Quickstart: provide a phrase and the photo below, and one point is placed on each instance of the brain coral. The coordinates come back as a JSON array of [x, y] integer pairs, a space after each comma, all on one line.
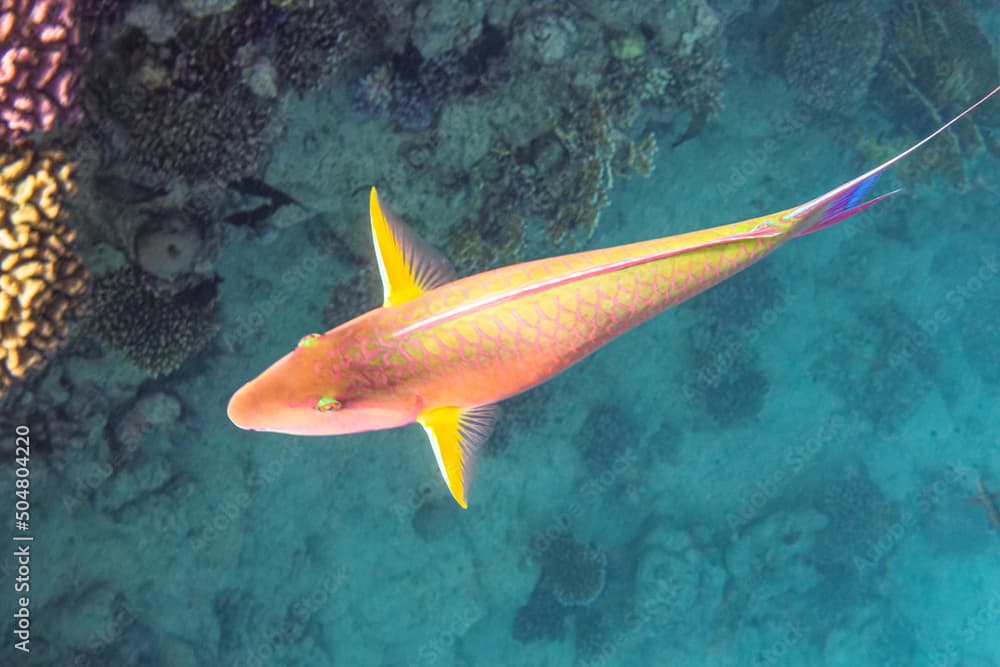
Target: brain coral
[[41, 278], [40, 64], [831, 58]]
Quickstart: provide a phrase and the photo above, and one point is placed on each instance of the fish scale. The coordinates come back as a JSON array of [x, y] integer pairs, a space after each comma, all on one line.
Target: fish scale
[[541, 333]]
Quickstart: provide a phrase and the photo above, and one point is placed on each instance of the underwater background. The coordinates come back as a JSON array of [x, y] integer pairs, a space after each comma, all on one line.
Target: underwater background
[[797, 467]]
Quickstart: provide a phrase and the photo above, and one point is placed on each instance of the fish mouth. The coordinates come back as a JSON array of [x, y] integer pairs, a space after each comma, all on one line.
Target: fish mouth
[[242, 408]]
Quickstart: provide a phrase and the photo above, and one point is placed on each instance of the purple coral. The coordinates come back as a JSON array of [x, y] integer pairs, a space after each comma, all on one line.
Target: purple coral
[[40, 65], [420, 87]]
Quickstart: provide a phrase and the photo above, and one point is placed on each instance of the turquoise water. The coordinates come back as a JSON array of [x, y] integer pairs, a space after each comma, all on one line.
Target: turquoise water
[[782, 471]]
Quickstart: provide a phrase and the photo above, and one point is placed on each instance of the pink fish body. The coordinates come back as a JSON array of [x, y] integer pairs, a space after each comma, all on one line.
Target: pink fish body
[[444, 352]]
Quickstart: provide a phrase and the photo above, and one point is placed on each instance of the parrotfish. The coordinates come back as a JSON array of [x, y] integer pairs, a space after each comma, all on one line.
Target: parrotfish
[[443, 352]]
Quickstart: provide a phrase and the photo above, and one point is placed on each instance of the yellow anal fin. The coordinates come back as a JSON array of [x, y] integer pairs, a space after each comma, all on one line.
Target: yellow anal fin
[[455, 435], [408, 266]]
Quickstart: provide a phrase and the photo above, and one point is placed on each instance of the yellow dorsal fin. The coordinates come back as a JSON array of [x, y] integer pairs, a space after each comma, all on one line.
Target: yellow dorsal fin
[[408, 266], [456, 434]]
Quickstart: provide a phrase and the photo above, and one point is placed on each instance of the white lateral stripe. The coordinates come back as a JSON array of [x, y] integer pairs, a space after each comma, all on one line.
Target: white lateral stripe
[[556, 281]]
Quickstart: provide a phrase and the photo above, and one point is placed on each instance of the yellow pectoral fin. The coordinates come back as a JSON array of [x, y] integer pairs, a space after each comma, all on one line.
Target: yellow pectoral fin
[[455, 435], [408, 266]]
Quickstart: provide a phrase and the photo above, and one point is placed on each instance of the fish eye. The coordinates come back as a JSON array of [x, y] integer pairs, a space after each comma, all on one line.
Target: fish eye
[[308, 339], [327, 404]]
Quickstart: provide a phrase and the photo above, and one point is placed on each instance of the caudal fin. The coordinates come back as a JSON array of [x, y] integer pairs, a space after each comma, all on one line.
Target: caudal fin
[[843, 201]]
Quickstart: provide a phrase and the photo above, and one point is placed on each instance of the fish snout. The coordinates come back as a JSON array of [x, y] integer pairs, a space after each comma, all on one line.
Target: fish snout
[[243, 408]]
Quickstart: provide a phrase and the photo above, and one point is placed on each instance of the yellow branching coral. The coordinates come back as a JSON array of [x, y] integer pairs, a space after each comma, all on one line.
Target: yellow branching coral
[[41, 278]]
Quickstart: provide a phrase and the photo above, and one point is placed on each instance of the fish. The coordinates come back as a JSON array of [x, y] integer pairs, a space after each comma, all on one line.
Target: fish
[[988, 499], [444, 352], [255, 217], [254, 187]]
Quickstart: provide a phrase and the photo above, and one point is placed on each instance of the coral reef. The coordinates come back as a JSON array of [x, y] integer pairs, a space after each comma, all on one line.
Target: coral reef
[[607, 431], [154, 331], [882, 367], [598, 150], [41, 64], [42, 283], [421, 87], [831, 56], [413, 88], [728, 383], [373, 92], [541, 618], [678, 584], [572, 577], [773, 561], [183, 107], [573, 571], [859, 516], [169, 243], [311, 39], [937, 61]]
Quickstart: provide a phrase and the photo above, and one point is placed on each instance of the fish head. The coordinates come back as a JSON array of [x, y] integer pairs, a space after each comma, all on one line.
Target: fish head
[[309, 392]]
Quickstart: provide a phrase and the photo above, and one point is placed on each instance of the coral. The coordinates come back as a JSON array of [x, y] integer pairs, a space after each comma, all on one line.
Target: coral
[[421, 87], [545, 37], [312, 39], [441, 25], [728, 383], [831, 57], [937, 61], [772, 562], [373, 92], [859, 515], [541, 618], [595, 151], [185, 105], [477, 245], [156, 332], [881, 367], [696, 81], [200, 8], [167, 244], [40, 65], [42, 280], [607, 431], [573, 571], [678, 583], [739, 301]]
